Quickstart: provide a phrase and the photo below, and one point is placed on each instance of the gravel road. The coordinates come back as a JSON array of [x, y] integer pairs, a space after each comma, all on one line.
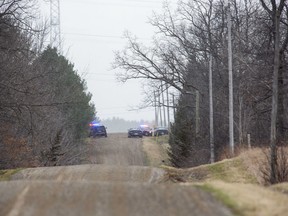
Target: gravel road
[[117, 149], [117, 182]]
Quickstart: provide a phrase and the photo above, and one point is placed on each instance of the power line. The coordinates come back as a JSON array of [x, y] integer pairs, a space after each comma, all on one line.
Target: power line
[[124, 3], [132, 4], [100, 36], [119, 3], [109, 108], [119, 113], [101, 74]]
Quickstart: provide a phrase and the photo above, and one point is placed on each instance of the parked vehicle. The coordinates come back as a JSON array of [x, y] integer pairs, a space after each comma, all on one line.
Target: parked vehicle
[[146, 130], [135, 132], [161, 131], [97, 130]]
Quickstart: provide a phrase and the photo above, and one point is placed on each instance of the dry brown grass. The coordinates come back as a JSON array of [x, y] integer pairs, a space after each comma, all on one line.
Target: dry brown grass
[[156, 153], [254, 160], [257, 162], [234, 170], [238, 183], [281, 187], [16, 152], [253, 200]]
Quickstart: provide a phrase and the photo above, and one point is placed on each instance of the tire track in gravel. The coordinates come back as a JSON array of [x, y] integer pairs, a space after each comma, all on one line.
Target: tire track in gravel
[[117, 182]]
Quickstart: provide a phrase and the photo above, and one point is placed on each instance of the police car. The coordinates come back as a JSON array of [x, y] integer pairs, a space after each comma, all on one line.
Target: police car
[[146, 130], [97, 129]]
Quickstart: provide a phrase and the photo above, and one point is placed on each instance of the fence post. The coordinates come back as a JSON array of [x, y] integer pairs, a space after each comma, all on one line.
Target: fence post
[[249, 140]]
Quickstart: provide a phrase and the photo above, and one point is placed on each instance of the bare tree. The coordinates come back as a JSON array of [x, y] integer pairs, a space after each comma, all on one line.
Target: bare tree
[[190, 50], [275, 11], [160, 63]]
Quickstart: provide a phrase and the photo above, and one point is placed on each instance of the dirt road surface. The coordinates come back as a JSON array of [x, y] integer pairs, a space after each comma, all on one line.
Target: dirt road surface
[[116, 182], [117, 149]]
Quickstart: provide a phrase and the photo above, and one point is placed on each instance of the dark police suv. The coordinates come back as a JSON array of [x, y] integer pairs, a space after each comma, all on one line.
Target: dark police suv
[[97, 129]]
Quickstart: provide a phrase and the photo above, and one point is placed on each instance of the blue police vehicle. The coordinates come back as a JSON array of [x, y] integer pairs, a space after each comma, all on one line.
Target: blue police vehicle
[[97, 129]]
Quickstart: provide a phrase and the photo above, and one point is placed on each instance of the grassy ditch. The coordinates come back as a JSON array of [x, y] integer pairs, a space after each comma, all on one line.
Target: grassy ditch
[[160, 139], [156, 149], [236, 183], [223, 198], [5, 175], [249, 199], [230, 170]]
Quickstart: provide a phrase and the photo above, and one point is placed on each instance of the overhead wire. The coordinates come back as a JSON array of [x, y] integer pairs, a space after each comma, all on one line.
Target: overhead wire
[[114, 3], [100, 36], [117, 2], [125, 3]]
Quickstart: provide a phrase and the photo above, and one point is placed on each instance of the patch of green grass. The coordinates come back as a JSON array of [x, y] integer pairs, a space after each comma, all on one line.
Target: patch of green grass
[[229, 170], [218, 171], [160, 139], [232, 170], [223, 198], [5, 175], [155, 154]]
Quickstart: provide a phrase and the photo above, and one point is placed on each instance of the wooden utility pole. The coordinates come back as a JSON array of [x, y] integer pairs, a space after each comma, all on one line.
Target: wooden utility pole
[[231, 116], [163, 102], [159, 108], [168, 111], [197, 116], [174, 106], [211, 116], [156, 112]]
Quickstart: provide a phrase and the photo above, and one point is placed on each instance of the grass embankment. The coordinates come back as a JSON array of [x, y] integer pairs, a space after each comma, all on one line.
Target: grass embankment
[[155, 149], [229, 170], [237, 184], [5, 175]]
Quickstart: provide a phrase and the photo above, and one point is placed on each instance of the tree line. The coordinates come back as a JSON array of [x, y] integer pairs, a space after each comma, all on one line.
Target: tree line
[[44, 104], [189, 56], [119, 125]]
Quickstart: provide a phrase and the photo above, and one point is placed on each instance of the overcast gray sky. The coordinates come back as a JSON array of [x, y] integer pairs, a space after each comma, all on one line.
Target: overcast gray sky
[[91, 31]]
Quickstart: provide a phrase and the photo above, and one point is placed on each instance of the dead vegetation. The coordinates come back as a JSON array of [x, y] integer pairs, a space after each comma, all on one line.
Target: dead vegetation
[[281, 166], [251, 166], [5, 175], [239, 183], [228, 170], [155, 149]]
